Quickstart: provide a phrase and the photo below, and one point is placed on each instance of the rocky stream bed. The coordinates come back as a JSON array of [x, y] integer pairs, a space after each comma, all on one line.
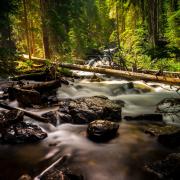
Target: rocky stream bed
[[89, 128]]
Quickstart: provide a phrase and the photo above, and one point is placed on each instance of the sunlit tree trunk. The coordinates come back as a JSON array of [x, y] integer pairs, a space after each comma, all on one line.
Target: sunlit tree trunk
[[117, 26], [121, 61], [27, 28]]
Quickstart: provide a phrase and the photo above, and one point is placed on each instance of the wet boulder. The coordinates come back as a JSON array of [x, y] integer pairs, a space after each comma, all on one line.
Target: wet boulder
[[56, 117], [9, 118], [169, 106], [22, 133], [96, 78], [167, 169], [167, 135], [145, 117], [102, 130], [25, 97], [86, 109], [160, 129], [171, 140]]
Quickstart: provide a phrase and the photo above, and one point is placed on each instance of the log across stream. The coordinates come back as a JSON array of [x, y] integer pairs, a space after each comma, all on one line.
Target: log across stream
[[122, 158], [123, 74], [143, 75]]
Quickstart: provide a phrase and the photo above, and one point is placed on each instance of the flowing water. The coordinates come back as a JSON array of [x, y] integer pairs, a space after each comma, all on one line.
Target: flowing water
[[122, 158]]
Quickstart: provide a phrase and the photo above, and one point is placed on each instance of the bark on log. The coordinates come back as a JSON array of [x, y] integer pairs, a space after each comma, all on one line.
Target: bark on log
[[44, 86], [29, 76], [148, 71], [26, 113], [124, 74], [57, 163]]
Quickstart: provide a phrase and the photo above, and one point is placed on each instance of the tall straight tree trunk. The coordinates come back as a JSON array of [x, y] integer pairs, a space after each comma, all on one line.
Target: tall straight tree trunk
[[153, 20], [32, 38], [43, 7], [26, 28], [155, 28], [117, 26], [121, 60], [143, 11], [123, 25]]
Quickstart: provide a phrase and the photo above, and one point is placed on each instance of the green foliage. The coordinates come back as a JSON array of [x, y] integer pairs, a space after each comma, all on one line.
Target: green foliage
[[65, 72], [147, 32], [148, 42], [7, 61]]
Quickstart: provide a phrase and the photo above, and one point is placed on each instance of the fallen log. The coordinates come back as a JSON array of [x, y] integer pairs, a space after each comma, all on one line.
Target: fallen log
[[26, 113], [123, 74], [118, 73], [165, 73], [25, 57], [60, 162], [38, 76], [44, 86], [146, 71]]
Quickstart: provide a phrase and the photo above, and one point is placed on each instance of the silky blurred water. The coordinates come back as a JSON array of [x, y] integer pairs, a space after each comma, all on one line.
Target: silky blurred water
[[122, 158]]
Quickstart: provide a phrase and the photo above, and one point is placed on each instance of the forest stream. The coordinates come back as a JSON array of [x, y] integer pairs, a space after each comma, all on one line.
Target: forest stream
[[122, 158]]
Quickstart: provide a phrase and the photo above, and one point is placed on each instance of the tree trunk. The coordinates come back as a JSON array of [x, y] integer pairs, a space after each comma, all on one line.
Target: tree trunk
[[121, 61], [45, 29], [27, 28], [153, 21]]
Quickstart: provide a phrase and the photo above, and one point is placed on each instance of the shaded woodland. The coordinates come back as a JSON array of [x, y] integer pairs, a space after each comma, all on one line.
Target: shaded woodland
[[146, 32]]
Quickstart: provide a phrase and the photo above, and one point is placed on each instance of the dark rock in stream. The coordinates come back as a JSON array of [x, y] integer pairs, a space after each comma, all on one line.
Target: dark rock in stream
[[9, 118], [145, 117], [102, 130], [171, 140], [55, 117], [86, 109], [25, 97], [167, 135], [95, 78], [167, 169], [160, 129], [22, 133]]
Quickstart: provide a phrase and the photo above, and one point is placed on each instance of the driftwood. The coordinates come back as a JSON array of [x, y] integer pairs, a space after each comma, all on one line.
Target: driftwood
[[124, 74], [57, 163], [26, 113]]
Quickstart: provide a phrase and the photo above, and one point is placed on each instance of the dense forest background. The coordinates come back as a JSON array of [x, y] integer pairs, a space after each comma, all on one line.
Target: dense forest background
[[147, 32]]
